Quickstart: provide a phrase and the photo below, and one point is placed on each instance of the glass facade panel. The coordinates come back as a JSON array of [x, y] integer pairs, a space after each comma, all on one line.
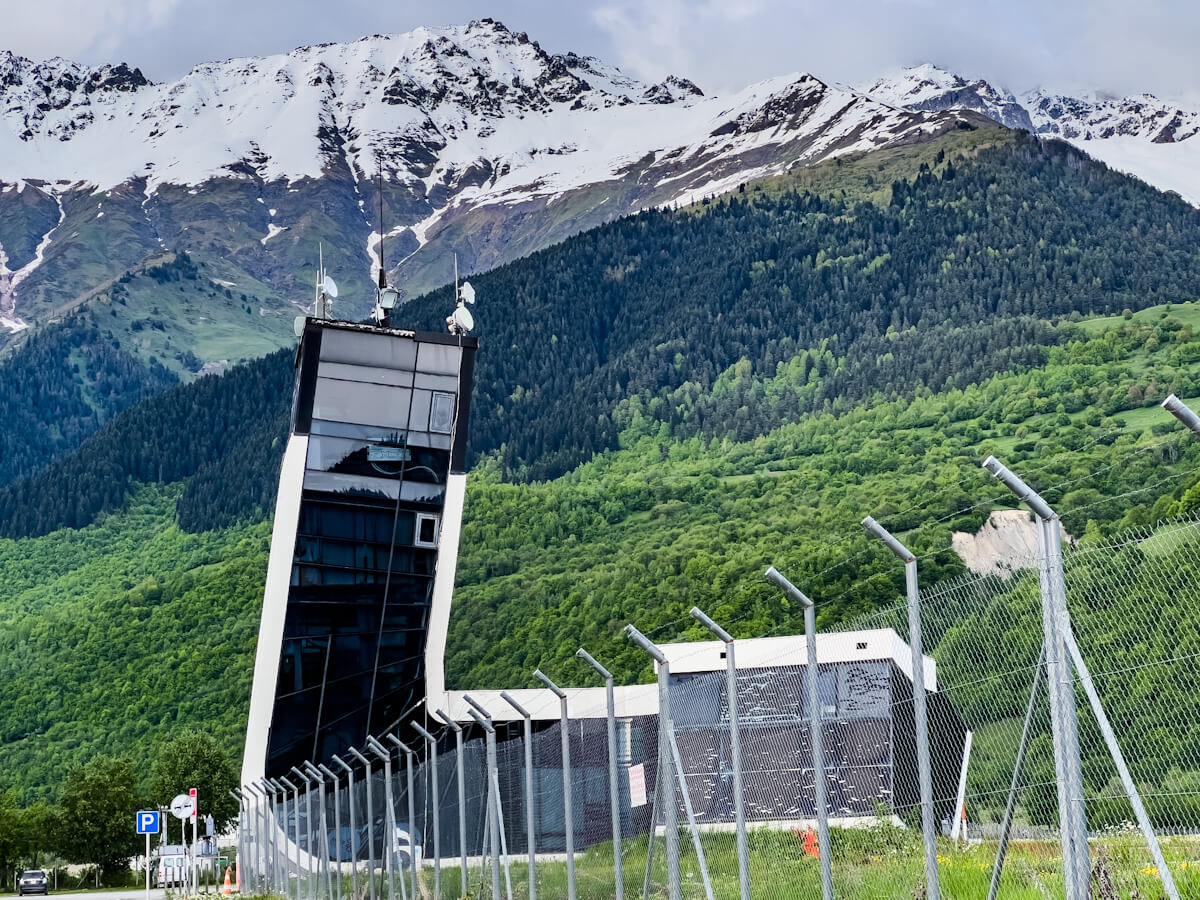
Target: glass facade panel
[[363, 404], [445, 383], [369, 374], [364, 349], [439, 359], [421, 401]]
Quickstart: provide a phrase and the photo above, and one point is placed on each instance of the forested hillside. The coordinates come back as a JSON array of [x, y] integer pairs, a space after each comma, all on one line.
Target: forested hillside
[[720, 387], [118, 634], [672, 520], [112, 631], [222, 434], [61, 385], [941, 277]]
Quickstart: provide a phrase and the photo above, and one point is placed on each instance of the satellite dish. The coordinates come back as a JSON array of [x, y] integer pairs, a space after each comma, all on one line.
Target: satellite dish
[[330, 287], [466, 292], [298, 325], [463, 319]]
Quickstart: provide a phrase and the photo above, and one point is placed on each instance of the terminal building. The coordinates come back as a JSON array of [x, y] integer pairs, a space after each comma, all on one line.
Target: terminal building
[[365, 541], [867, 725], [357, 604]]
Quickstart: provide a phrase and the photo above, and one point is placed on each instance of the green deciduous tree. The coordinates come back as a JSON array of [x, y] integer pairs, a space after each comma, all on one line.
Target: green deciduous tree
[[195, 759], [95, 822]]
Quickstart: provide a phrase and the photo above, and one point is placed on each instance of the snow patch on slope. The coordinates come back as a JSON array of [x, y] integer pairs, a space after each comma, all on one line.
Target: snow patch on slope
[[272, 231], [10, 280]]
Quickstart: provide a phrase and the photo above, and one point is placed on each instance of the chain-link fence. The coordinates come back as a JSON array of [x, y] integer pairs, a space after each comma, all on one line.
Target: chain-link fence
[[1056, 754]]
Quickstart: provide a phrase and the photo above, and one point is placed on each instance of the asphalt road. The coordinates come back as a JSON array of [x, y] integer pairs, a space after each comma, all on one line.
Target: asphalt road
[[122, 894]]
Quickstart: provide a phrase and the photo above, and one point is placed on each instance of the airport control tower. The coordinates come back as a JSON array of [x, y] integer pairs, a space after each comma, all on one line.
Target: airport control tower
[[365, 540]]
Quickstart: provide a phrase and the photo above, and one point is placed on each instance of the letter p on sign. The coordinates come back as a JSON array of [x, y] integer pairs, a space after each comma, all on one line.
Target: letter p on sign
[[147, 822]]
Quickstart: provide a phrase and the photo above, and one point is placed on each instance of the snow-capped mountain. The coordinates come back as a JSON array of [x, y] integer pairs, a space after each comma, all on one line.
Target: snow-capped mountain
[[930, 88], [485, 145], [1142, 135]]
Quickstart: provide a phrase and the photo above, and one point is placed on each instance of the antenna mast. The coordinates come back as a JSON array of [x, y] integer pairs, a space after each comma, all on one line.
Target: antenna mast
[[382, 268]]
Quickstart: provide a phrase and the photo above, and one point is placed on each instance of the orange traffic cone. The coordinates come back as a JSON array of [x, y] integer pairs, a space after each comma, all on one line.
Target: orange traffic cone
[[227, 887]]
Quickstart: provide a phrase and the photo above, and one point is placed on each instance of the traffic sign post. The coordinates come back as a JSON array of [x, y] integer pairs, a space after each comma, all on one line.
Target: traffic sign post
[[148, 824], [195, 860], [183, 807]]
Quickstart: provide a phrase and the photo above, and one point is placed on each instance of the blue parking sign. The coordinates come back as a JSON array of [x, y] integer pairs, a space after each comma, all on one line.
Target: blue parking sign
[[147, 821]]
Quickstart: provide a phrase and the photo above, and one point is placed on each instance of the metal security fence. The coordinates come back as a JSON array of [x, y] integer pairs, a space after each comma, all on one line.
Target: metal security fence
[[1034, 732]]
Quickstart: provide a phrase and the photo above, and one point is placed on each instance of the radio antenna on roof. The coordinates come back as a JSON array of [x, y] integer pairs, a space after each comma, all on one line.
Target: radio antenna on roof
[[382, 268]]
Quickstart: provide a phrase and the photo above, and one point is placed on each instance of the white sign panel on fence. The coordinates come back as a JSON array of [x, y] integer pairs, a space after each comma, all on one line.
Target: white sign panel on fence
[[637, 785]]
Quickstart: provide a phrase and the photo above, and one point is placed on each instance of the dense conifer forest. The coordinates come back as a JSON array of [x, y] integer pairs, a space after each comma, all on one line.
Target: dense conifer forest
[[60, 387]]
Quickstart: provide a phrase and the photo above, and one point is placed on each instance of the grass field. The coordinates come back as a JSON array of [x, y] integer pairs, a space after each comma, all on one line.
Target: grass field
[[878, 863]]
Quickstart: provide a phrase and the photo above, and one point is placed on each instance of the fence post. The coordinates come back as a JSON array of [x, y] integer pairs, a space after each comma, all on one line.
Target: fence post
[[1110, 738], [267, 819], [353, 825], [920, 714], [409, 755], [530, 828], [811, 669], [253, 807], [248, 836], [389, 818], [462, 795], [1183, 413], [320, 779], [735, 750], [431, 743], [337, 828], [614, 790], [666, 776], [370, 822], [308, 820], [568, 811], [295, 832], [1077, 870], [279, 867], [493, 813]]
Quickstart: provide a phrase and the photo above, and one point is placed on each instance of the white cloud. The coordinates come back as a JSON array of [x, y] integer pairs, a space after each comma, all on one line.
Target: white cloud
[[79, 29]]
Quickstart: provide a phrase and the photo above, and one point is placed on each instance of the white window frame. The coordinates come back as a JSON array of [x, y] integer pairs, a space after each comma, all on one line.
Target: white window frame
[[421, 517], [433, 402]]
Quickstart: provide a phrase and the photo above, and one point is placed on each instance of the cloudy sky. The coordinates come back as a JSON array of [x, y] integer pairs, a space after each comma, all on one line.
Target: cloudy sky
[[1119, 46]]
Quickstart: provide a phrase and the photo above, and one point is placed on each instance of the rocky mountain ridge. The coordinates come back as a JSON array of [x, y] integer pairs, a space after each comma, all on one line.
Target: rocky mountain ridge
[[1154, 139], [481, 143]]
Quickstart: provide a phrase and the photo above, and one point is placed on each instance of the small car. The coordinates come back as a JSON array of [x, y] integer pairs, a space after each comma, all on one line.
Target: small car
[[33, 881]]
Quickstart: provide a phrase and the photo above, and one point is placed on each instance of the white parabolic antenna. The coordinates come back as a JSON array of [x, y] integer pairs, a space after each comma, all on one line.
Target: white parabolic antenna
[[330, 286], [467, 293], [463, 318]]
